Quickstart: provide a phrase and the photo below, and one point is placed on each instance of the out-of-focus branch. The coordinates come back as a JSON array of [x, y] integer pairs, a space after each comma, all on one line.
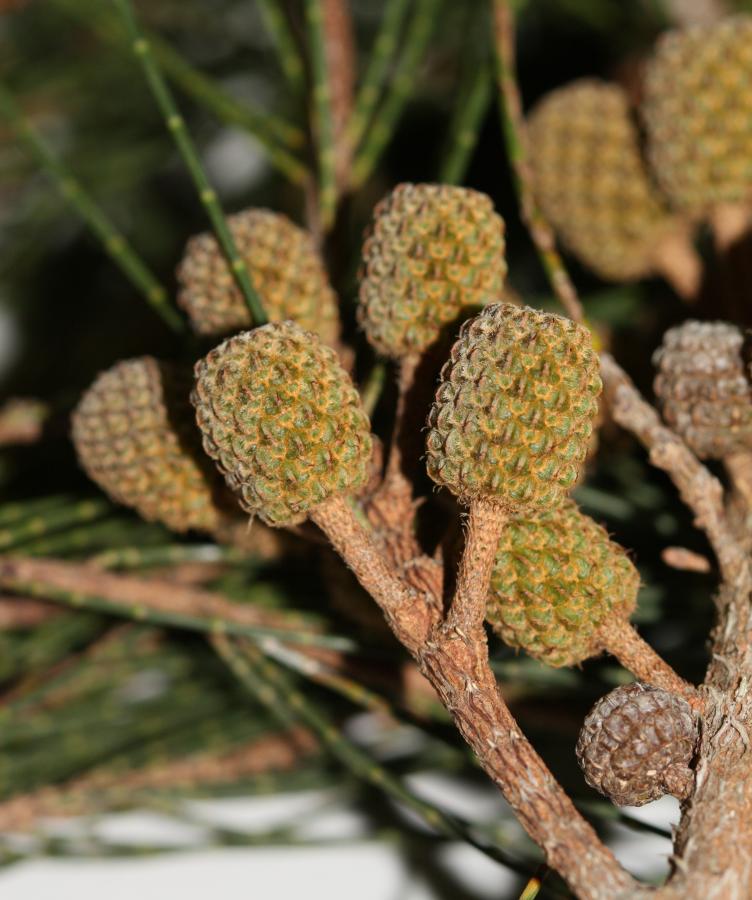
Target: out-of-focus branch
[[278, 752]]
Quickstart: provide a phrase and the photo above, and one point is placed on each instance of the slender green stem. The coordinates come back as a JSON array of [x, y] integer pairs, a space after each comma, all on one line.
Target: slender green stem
[[269, 130], [318, 673], [113, 241], [169, 554], [54, 520], [373, 387], [513, 126], [13, 512], [323, 119], [382, 127], [382, 57], [176, 126], [271, 686], [281, 34], [474, 97]]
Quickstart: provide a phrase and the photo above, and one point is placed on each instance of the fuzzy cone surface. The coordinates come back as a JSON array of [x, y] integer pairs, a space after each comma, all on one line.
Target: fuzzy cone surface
[[557, 579], [636, 745], [698, 114], [434, 255], [135, 436], [591, 182], [283, 421], [283, 266], [704, 388], [514, 409]]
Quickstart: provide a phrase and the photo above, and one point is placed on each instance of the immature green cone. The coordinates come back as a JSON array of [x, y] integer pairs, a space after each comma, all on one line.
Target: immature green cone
[[282, 420], [434, 254], [591, 181], [704, 389], [698, 114], [514, 409], [134, 434], [637, 743], [283, 266], [557, 579]]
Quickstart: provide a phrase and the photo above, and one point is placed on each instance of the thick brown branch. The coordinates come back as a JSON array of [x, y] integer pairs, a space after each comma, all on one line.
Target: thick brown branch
[[713, 850], [408, 617], [456, 664]]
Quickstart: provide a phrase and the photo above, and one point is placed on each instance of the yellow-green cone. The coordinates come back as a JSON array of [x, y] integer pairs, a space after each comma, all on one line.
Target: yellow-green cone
[[135, 436], [514, 410], [434, 255], [557, 579], [591, 180], [698, 114], [282, 420], [283, 266]]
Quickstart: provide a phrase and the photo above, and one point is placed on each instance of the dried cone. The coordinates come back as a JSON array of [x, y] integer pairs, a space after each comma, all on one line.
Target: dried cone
[[513, 413], [698, 114], [637, 743], [592, 184], [557, 579], [282, 420], [704, 387], [283, 266], [434, 255]]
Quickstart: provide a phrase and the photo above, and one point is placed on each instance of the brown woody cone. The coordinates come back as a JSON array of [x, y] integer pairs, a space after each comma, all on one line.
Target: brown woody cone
[[636, 745]]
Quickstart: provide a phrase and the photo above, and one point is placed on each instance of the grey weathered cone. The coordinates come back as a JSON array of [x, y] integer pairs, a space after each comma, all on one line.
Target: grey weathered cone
[[637, 743], [704, 388]]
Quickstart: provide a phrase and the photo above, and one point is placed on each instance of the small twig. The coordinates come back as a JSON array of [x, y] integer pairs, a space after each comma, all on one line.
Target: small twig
[[113, 241], [484, 527], [678, 262], [730, 222], [638, 657], [176, 126], [685, 560], [22, 421]]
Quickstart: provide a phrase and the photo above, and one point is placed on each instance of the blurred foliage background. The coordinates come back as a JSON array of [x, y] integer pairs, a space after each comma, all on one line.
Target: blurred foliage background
[[114, 698]]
